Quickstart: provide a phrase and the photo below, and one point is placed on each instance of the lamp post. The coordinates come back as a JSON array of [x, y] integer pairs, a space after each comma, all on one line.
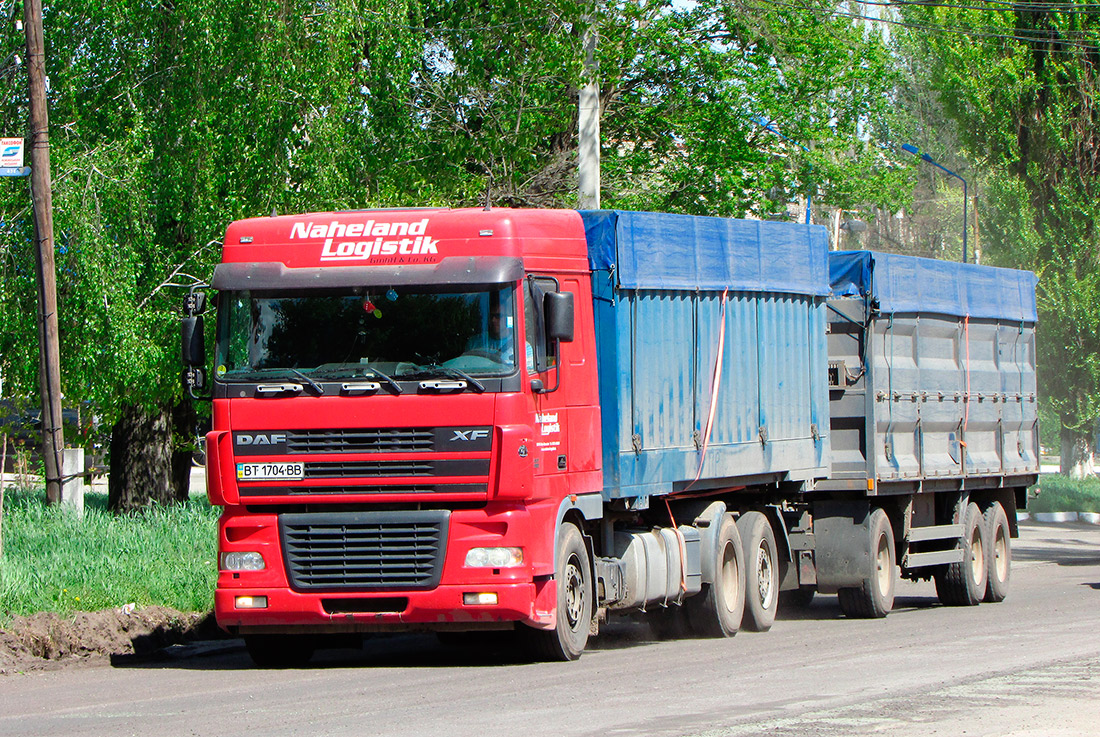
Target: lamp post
[[910, 148], [766, 125]]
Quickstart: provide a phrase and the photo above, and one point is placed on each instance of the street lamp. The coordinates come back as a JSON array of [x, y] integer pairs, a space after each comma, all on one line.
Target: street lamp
[[910, 148], [766, 125]]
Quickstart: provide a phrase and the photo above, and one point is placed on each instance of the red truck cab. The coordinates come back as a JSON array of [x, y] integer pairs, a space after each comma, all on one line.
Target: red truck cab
[[398, 426]]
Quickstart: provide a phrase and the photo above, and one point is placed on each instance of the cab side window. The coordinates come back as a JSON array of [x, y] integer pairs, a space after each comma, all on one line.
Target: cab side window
[[541, 352]]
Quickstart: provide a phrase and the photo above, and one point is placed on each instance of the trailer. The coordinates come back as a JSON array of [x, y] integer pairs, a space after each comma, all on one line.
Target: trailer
[[532, 421]]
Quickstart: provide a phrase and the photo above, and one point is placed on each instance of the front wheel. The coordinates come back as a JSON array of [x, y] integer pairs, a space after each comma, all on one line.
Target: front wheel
[[963, 583], [573, 574]]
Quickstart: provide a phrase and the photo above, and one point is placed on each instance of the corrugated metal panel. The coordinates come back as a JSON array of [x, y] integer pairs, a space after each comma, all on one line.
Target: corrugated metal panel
[[948, 397], [663, 388], [662, 396]]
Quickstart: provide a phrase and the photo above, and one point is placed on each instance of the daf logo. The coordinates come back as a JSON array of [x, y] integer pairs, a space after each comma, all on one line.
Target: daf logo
[[470, 435], [261, 439]]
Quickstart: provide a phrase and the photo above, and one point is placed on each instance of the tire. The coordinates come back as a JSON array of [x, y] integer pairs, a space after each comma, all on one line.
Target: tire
[[761, 571], [716, 611], [998, 553], [874, 598], [963, 583], [573, 575], [279, 651]]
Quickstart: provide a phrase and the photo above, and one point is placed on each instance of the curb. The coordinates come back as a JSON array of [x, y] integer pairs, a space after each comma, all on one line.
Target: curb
[[1088, 518]]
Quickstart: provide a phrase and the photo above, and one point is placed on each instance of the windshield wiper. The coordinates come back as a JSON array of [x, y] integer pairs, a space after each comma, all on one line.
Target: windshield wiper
[[389, 381], [456, 373], [313, 384]]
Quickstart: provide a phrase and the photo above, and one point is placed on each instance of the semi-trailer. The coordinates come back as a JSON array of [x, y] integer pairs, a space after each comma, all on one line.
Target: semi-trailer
[[533, 420]]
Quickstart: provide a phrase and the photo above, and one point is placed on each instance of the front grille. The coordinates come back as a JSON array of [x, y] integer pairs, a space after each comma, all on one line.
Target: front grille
[[370, 469], [364, 550], [462, 439], [382, 440]]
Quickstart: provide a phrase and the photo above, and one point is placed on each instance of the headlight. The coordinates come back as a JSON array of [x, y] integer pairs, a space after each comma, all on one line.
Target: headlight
[[494, 557], [248, 561]]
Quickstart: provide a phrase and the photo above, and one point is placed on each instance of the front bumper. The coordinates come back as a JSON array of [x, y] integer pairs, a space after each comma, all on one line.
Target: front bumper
[[524, 594]]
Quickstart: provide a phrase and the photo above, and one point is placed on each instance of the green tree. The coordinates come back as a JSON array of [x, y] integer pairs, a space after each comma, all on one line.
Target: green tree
[[1021, 85], [171, 119], [168, 121]]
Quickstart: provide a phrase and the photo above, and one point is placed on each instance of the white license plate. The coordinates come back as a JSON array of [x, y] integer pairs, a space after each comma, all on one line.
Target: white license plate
[[269, 471]]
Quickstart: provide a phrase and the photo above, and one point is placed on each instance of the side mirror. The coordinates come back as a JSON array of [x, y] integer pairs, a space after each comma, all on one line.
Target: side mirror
[[558, 310], [192, 342]]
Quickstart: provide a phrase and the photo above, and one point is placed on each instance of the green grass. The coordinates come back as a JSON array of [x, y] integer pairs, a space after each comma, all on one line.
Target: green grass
[[54, 562], [1062, 494]]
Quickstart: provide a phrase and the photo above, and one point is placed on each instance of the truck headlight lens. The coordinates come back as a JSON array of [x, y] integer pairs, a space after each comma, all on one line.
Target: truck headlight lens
[[494, 557], [247, 561]]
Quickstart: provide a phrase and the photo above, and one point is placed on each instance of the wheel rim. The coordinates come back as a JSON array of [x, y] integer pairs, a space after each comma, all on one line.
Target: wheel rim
[[728, 577], [883, 565], [1000, 553], [574, 592], [977, 555], [764, 576]]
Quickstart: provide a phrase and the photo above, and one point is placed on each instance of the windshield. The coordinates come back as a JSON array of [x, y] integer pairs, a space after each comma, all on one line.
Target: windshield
[[364, 332]]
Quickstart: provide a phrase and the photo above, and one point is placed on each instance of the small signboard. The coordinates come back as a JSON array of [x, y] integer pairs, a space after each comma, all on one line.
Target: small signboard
[[11, 153]]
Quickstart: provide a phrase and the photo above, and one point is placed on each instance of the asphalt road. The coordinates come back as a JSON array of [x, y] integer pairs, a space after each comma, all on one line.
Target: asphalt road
[[1027, 666]]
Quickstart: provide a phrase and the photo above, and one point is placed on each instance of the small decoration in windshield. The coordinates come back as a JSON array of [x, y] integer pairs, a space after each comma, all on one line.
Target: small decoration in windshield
[[391, 295]]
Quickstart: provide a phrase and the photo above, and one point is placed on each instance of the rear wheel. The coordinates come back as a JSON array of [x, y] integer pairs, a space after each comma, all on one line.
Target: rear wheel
[[963, 583], [573, 575], [716, 611], [999, 555], [279, 651], [761, 571], [874, 598]]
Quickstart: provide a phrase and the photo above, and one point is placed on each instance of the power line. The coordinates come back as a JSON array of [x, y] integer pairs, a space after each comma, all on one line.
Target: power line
[[953, 30]]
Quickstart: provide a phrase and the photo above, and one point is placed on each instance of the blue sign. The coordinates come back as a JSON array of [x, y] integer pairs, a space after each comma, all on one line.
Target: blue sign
[[15, 171]]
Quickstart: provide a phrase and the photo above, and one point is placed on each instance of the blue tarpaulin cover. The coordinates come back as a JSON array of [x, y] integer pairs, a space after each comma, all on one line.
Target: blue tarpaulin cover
[[662, 251], [900, 284]]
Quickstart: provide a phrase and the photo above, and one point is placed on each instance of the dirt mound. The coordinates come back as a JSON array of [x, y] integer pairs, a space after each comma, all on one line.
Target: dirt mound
[[48, 640]]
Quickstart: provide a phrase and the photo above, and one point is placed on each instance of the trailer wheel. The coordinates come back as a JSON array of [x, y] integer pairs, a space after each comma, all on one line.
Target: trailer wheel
[[761, 571], [279, 651], [716, 611], [963, 583], [874, 598], [999, 555], [573, 575]]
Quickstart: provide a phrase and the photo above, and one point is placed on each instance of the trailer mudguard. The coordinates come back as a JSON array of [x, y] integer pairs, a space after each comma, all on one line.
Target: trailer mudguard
[[842, 544]]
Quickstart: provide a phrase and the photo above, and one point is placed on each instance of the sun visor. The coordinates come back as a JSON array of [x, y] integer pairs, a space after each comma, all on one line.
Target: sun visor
[[454, 270]]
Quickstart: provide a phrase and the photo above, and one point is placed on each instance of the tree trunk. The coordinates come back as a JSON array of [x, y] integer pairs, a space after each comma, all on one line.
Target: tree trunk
[[184, 422], [147, 465], [1077, 455]]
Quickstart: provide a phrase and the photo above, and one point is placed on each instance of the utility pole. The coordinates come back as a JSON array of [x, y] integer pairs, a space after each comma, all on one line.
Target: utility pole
[[49, 370], [588, 124]]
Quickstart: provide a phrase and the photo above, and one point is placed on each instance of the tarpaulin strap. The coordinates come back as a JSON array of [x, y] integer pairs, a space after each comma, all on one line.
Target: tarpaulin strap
[[716, 382], [683, 550], [966, 403]]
